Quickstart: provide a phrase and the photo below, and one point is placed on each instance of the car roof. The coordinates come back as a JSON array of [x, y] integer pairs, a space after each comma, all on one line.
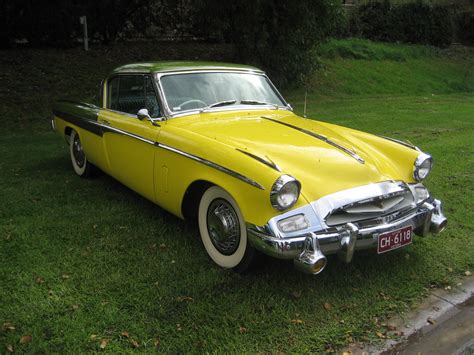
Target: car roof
[[174, 66]]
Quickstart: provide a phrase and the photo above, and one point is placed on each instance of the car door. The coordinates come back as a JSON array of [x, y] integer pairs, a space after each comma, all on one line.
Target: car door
[[129, 142]]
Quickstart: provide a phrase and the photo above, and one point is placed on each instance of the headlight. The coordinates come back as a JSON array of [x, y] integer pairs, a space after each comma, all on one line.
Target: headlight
[[285, 192], [422, 168]]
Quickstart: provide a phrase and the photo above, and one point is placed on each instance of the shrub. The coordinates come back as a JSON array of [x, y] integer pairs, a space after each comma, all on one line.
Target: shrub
[[465, 28], [416, 22], [278, 35]]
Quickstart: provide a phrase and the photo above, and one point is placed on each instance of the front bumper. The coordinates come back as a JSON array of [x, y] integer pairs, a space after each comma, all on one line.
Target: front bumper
[[308, 250]]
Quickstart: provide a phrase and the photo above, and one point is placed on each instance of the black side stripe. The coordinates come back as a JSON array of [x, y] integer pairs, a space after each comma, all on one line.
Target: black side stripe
[[99, 129], [83, 123]]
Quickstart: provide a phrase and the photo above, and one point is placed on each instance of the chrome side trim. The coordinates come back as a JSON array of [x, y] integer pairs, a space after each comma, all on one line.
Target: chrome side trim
[[268, 162], [107, 128], [321, 137], [221, 168], [211, 164]]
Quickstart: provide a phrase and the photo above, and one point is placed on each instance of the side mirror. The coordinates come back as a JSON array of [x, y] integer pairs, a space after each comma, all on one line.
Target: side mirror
[[142, 114]]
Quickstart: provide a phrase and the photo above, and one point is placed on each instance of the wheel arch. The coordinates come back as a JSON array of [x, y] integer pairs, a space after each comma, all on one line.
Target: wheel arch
[[192, 197]]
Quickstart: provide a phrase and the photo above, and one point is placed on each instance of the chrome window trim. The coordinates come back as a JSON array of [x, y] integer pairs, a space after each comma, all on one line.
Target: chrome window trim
[[170, 114], [320, 137], [105, 89]]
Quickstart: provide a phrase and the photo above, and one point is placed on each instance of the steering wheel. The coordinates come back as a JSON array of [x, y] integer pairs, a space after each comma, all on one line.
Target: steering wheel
[[195, 101]]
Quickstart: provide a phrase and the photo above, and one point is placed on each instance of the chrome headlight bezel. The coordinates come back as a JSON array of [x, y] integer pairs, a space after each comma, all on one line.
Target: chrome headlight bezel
[[284, 181], [423, 161]]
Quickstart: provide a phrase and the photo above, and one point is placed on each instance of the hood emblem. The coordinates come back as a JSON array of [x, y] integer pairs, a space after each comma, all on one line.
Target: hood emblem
[[322, 138]]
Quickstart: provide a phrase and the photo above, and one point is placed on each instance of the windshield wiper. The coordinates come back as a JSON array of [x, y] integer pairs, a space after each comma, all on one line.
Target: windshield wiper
[[255, 102], [221, 103]]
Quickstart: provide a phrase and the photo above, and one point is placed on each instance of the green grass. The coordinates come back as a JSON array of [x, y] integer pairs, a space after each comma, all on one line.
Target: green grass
[[84, 260]]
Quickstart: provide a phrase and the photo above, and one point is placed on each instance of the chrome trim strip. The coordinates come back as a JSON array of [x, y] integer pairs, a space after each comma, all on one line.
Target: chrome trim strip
[[211, 164], [106, 128], [268, 162], [406, 144], [320, 137]]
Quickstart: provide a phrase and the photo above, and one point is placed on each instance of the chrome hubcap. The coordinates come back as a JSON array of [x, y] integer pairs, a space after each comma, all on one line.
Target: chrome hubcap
[[223, 226], [77, 152]]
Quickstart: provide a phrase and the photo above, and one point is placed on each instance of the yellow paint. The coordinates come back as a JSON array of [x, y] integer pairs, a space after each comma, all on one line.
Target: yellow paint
[[163, 176]]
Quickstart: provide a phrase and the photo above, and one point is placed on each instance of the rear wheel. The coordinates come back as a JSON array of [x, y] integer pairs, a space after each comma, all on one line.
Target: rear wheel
[[78, 158], [223, 231]]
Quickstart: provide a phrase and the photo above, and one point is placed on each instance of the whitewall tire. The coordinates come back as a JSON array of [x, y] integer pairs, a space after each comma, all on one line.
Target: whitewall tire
[[78, 158], [223, 231]]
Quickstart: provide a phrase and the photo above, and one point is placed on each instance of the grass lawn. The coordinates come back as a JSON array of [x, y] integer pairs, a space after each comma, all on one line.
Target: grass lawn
[[87, 264]]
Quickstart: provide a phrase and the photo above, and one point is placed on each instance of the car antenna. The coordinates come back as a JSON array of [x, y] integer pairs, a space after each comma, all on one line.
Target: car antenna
[[305, 99]]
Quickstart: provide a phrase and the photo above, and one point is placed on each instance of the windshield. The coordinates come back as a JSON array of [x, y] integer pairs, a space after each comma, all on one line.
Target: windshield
[[193, 91]]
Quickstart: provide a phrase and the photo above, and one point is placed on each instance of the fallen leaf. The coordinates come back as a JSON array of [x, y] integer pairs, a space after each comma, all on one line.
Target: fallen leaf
[[184, 299], [296, 294], [436, 308], [122, 227], [125, 334], [134, 343], [380, 335], [103, 343], [407, 256], [172, 261], [297, 321], [178, 327], [450, 269], [65, 276], [327, 306], [391, 327], [467, 273], [459, 284], [163, 246], [10, 348], [93, 337], [242, 330], [431, 321], [153, 246], [94, 227], [39, 280], [8, 326], [447, 288], [25, 339], [156, 342], [75, 307]]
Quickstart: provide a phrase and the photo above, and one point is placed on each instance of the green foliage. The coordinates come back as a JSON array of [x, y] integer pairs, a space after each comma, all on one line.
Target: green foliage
[[277, 35], [465, 30], [413, 22]]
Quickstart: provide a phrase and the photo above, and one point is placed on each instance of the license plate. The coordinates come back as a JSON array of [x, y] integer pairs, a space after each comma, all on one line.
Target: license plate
[[395, 239]]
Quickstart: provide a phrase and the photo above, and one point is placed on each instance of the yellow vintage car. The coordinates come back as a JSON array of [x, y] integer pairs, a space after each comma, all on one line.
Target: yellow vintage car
[[217, 143]]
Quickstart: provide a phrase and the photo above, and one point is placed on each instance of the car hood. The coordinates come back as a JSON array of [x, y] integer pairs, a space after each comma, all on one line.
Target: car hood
[[274, 137]]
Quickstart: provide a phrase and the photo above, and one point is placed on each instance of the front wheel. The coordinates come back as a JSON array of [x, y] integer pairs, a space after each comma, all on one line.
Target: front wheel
[[223, 231], [78, 158]]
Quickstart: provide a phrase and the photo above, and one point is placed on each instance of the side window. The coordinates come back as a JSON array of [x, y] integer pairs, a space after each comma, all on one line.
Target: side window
[[151, 102], [131, 94], [112, 93]]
